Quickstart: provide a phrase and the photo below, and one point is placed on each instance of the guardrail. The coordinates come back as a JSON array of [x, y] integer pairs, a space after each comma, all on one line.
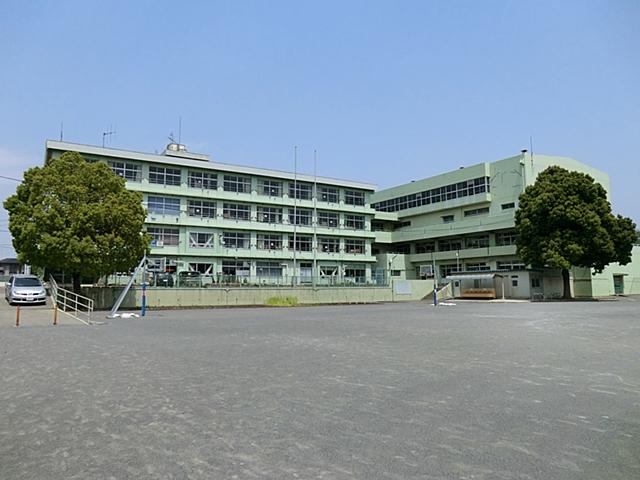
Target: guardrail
[[76, 306]]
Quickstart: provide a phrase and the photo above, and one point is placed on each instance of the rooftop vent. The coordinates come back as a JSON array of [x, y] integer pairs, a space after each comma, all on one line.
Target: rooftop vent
[[179, 150], [176, 147]]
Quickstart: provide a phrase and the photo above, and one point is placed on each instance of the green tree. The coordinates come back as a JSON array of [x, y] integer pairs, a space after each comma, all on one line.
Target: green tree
[[565, 220], [78, 217]]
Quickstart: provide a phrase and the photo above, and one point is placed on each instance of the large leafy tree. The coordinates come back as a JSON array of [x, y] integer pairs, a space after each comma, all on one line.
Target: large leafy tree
[[77, 216], [565, 220]]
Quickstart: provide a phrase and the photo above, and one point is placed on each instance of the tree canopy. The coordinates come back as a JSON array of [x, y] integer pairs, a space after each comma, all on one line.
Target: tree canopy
[[564, 219], [77, 216]]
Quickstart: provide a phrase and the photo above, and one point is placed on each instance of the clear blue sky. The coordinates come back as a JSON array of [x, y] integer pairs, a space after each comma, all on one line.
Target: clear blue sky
[[386, 91]]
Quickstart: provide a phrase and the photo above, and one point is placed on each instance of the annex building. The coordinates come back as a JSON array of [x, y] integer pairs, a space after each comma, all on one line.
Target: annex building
[[241, 224]]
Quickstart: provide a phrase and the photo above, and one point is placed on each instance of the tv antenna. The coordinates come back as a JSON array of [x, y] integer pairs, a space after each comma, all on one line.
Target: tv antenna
[[106, 134]]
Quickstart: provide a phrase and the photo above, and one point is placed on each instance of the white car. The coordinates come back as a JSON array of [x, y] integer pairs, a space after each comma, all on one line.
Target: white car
[[25, 289]]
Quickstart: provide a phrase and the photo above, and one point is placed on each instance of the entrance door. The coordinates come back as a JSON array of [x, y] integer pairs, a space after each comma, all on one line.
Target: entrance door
[[618, 284]]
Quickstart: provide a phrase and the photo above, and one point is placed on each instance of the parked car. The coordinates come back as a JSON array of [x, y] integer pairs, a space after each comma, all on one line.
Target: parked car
[[25, 289]]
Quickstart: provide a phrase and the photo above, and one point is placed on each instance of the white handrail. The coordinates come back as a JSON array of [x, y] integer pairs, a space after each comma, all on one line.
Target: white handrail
[[70, 303]]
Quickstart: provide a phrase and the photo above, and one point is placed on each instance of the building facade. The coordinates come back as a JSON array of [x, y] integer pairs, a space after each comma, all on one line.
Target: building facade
[[237, 224]]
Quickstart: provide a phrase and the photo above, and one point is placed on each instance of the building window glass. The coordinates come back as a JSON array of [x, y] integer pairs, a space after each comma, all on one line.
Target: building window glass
[[236, 269], [355, 274], [507, 206], [476, 211], [270, 188], [200, 240], [268, 269], [435, 195], [356, 222], [449, 245], [129, 171], [446, 270], [301, 191], [477, 267], [163, 205], [235, 211], [163, 236], [203, 268], [300, 217], [206, 181], [506, 238], [510, 265], [328, 194], [425, 247], [302, 243], [477, 242], [236, 183], [448, 218], [201, 208], [164, 176], [328, 219], [269, 242], [269, 214], [353, 245], [329, 245], [353, 197], [235, 239]]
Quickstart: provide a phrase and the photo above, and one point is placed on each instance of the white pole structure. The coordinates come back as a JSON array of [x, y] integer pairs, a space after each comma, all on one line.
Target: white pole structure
[[315, 220], [295, 210]]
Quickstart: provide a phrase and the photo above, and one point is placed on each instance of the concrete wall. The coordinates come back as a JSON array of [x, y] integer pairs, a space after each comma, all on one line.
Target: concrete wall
[[405, 290]]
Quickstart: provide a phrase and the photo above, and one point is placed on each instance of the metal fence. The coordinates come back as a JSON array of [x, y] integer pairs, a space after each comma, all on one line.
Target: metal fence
[[70, 303]]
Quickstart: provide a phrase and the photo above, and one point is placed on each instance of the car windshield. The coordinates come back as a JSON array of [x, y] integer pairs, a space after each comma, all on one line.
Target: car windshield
[[27, 282]]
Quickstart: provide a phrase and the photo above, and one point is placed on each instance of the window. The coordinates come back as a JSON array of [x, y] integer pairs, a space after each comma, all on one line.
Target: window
[[514, 282], [164, 176], [402, 248], [163, 205], [353, 245], [329, 245], [535, 283], [207, 181], [270, 188], [446, 270], [447, 219], [328, 219], [235, 211], [396, 273], [269, 269], [477, 267], [302, 243], [301, 191], [236, 268], [269, 242], [355, 222], [201, 208], [269, 214], [425, 247], [476, 211], [449, 245], [163, 236], [300, 217], [328, 194], [435, 195], [506, 206], [235, 239], [510, 265], [236, 183], [477, 242], [355, 274], [128, 171], [203, 268], [506, 238], [353, 197], [200, 240]]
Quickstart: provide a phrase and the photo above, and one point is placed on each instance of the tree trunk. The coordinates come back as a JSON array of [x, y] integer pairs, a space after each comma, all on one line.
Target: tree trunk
[[76, 282], [566, 285]]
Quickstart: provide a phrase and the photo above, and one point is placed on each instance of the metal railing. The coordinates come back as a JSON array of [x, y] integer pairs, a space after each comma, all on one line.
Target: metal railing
[[76, 306]]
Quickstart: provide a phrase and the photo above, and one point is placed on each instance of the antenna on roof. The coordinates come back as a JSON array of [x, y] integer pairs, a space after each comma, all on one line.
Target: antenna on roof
[[107, 134], [531, 145], [179, 129], [61, 129]]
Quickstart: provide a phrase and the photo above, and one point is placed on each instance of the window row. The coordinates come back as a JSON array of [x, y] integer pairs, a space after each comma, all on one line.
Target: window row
[[447, 245], [242, 240], [435, 195]]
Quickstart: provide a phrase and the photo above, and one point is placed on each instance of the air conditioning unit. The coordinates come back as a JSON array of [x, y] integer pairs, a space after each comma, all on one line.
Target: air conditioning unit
[[426, 270], [159, 243]]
